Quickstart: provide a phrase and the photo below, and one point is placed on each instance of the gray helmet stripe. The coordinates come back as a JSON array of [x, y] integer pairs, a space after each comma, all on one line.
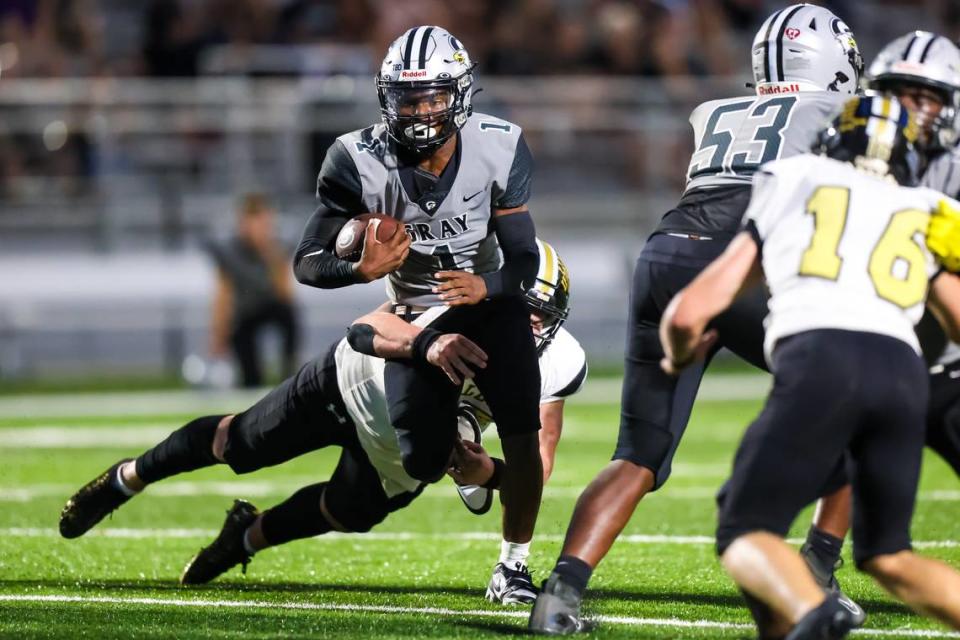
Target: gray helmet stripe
[[768, 70], [408, 49], [424, 41], [926, 49], [783, 28]]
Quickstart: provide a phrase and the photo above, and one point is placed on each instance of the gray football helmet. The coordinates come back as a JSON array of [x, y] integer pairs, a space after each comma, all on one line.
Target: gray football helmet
[[425, 86], [927, 60], [805, 48]]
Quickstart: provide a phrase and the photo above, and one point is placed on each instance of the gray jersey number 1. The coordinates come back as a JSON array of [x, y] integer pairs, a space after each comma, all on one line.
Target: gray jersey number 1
[[719, 136]]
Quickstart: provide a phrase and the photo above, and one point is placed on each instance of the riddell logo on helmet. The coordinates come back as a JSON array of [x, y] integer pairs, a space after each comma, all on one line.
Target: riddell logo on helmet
[[778, 88], [413, 74]]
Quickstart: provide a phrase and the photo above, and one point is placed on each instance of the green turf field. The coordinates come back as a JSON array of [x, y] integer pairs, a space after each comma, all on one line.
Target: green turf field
[[420, 574]]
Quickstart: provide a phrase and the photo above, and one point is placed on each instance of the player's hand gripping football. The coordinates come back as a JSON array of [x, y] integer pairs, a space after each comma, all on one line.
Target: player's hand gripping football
[[458, 288], [380, 258], [470, 464], [943, 235], [457, 355]]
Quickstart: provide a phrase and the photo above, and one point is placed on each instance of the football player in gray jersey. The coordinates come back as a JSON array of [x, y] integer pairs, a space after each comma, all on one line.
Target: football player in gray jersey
[[805, 63], [339, 400], [459, 181]]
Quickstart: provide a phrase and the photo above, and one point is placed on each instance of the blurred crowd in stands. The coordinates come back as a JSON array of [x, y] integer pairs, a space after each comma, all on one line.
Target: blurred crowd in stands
[[665, 39], [60, 38]]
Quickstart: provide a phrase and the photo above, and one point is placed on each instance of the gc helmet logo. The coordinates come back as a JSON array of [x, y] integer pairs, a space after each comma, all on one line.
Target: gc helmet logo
[[460, 56]]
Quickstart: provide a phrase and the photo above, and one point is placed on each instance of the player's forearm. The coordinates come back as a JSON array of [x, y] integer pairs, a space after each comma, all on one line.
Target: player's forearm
[[388, 335], [320, 268], [314, 263], [518, 242], [710, 293], [220, 318]]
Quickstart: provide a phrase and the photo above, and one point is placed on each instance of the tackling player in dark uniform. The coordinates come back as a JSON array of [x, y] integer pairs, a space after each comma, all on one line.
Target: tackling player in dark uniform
[[459, 181], [805, 62], [340, 400]]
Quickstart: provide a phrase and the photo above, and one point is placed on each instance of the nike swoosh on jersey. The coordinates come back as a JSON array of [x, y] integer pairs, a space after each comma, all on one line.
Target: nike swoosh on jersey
[[465, 198], [313, 253]]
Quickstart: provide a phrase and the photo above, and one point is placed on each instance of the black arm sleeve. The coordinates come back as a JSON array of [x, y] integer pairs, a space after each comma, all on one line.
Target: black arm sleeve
[[517, 191], [338, 185], [315, 264], [518, 242], [340, 193]]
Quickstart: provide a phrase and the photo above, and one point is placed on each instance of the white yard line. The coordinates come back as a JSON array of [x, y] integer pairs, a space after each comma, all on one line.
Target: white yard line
[[725, 386], [444, 490], [394, 536], [671, 623]]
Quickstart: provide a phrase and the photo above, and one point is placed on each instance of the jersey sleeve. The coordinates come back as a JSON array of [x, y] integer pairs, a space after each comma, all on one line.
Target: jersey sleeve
[[563, 368], [517, 191], [943, 174], [769, 190], [338, 185]]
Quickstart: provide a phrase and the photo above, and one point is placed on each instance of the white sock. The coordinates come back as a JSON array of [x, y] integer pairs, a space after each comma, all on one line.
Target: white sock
[[513, 553], [246, 542], [121, 485]]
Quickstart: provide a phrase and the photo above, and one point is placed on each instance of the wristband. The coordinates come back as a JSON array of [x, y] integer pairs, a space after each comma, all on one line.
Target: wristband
[[421, 344], [360, 339], [494, 481]]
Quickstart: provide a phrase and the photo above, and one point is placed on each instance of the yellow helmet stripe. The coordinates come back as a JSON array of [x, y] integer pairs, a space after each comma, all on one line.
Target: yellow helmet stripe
[[547, 273]]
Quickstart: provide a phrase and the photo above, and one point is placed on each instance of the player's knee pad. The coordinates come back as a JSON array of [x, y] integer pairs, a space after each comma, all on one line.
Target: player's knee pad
[[297, 517], [426, 466], [425, 455], [360, 517]]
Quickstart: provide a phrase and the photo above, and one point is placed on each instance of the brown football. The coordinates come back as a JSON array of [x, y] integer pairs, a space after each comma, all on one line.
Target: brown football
[[349, 244]]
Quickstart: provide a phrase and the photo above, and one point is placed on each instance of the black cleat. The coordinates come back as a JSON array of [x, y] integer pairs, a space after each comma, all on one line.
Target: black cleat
[[92, 503], [826, 578], [227, 551]]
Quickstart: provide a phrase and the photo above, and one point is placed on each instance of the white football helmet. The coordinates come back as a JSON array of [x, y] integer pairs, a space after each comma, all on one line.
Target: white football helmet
[[927, 60], [425, 86], [805, 48]]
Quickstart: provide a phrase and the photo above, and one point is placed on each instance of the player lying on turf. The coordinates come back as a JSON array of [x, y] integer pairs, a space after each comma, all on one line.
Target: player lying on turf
[[339, 400], [848, 256]]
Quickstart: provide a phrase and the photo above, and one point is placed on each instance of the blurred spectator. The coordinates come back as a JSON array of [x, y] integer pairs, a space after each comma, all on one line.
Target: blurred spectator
[[173, 39], [254, 292]]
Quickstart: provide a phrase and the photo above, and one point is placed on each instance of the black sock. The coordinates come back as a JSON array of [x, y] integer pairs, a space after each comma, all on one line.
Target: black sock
[[574, 571], [297, 517], [824, 548], [189, 447]]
